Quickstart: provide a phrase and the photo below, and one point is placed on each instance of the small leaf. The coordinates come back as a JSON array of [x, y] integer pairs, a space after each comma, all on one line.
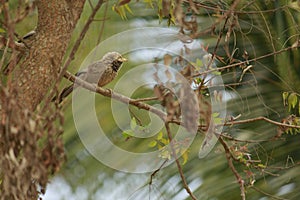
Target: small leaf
[[121, 10], [185, 157], [164, 141], [261, 166], [127, 134], [152, 143], [198, 80], [128, 9], [292, 100], [284, 97], [160, 135]]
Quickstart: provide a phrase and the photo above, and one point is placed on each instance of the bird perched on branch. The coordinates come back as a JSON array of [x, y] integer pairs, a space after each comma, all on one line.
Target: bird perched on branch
[[100, 72]]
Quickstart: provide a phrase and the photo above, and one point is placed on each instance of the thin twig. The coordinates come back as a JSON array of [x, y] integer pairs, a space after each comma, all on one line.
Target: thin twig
[[215, 51], [217, 9], [231, 166], [229, 137], [81, 36], [102, 25], [227, 15], [156, 171], [146, 99], [4, 54], [9, 23], [267, 194], [243, 62], [229, 123], [184, 182]]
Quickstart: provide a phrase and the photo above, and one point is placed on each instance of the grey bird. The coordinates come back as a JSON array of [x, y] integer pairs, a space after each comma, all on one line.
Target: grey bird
[[100, 72]]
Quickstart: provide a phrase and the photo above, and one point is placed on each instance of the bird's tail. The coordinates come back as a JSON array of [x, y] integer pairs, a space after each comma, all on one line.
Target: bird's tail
[[65, 92]]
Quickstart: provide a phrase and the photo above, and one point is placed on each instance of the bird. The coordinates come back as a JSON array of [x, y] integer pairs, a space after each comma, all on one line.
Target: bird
[[100, 72]]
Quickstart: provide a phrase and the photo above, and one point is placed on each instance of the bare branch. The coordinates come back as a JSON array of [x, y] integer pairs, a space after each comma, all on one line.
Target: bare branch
[[184, 182], [243, 62], [267, 194], [156, 171], [229, 123], [217, 9], [231, 166]]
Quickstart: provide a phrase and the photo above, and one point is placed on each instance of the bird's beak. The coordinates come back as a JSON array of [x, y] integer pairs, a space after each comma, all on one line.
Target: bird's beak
[[122, 59]]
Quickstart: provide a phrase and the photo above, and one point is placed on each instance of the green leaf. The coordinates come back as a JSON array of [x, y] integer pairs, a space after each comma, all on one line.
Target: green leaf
[[198, 80], [160, 135], [216, 118], [128, 9], [127, 134], [164, 141], [284, 97], [292, 100], [121, 10], [185, 157], [261, 166], [152, 143]]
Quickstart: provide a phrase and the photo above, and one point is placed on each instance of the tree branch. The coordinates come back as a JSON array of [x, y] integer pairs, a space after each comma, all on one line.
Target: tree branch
[[116, 96], [231, 166], [244, 62], [184, 182], [229, 123]]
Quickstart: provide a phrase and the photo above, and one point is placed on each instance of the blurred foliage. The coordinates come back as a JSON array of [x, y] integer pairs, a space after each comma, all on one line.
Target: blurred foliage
[[271, 27]]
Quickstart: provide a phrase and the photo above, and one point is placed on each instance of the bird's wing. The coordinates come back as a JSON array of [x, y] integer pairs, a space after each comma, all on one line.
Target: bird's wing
[[81, 73], [96, 67]]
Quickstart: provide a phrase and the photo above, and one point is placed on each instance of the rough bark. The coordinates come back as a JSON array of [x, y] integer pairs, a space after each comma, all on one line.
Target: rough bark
[[40, 68]]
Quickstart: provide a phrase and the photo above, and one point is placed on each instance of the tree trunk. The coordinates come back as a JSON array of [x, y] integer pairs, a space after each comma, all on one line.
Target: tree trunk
[[40, 68]]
